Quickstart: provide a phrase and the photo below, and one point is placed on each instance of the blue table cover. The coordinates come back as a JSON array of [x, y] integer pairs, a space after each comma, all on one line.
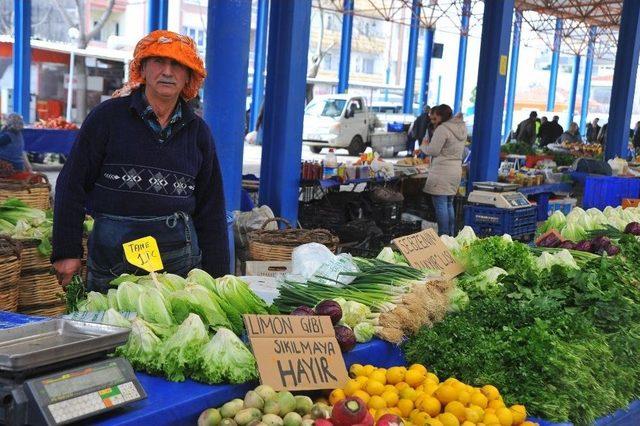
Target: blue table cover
[[549, 188], [49, 140], [11, 319], [170, 403]]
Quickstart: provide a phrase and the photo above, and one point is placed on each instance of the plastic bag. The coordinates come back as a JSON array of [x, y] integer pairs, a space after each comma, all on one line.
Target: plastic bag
[[245, 222], [316, 262], [619, 166]]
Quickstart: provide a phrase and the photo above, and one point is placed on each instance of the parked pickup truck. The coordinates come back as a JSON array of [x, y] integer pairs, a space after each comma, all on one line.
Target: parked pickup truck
[[344, 121]]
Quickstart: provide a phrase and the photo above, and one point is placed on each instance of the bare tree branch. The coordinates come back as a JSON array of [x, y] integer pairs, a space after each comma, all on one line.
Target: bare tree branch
[[63, 12], [103, 19]]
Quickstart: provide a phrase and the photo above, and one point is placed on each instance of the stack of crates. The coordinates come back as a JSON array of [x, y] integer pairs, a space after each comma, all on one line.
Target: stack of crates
[[565, 205], [487, 221]]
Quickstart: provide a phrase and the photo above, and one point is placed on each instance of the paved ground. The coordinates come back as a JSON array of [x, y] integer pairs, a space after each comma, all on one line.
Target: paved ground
[[251, 163]]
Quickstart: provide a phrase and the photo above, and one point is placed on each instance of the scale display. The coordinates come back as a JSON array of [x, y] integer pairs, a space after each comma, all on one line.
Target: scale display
[[74, 394]]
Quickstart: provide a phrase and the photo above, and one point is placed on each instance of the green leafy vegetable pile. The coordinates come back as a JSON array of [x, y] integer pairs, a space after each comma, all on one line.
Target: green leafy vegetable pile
[[563, 341]]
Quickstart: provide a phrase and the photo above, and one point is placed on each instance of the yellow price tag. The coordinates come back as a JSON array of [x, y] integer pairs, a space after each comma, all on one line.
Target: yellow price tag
[[144, 254]]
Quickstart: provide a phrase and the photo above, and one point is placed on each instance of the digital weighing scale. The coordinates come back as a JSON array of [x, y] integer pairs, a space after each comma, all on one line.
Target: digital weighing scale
[[56, 372], [497, 194]]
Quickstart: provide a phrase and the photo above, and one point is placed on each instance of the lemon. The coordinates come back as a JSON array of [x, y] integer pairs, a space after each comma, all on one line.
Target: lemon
[[468, 423], [463, 397], [430, 388], [376, 402], [379, 413], [395, 375], [401, 386], [405, 406], [379, 376], [479, 399], [362, 395], [362, 380], [408, 393], [434, 422], [457, 409], [419, 367], [390, 388], [355, 370], [433, 378], [351, 387], [479, 411], [419, 400], [491, 392], [414, 378], [336, 396], [373, 387], [496, 403], [489, 411], [528, 423], [449, 419], [505, 416], [519, 414], [391, 398], [490, 418], [472, 415], [446, 393], [431, 406], [420, 419], [367, 370], [459, 386], [396, 411]]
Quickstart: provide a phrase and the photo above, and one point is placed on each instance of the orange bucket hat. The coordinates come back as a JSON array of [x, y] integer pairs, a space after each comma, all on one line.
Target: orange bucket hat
[[167, 44]]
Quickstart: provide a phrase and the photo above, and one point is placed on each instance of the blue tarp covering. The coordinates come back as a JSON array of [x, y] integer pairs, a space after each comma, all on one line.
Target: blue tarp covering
[[49, 140]]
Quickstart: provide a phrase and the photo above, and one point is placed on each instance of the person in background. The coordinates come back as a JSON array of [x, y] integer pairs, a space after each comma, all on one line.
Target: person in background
[[538, 124], [446, 148], [592, 131], [526, 131], [602, 135], [419, 130], [545, 131], [571, 136], [636, 138], [556, 130], [12, 145]]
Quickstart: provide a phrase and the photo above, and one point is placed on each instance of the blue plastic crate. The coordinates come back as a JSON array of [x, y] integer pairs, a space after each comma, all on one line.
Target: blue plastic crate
[[11, 319], [486, 221], [395, 127], [603, 191]]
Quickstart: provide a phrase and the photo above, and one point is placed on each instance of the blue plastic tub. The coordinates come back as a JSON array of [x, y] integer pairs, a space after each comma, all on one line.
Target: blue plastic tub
[[603, 191], [486, 221]]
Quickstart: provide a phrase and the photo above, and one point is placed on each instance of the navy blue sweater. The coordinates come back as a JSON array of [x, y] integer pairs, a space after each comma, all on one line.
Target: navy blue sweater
[[118, 167]]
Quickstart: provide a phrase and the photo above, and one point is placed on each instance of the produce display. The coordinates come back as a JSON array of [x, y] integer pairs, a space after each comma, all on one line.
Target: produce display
[[557, 333], [402, 298], [55, 123], [170, 335]]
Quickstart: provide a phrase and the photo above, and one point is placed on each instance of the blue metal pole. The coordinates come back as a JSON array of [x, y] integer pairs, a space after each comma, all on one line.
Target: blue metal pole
[[345, 46], [513, 74], [259, 61], [289, 23], [574, 90], [462, 55], [153, 15], [227, 59], [423, 95], [411, 57], [555, 63], [387, 79], [492, 79], [22, 58], [439, 90], [624, 81], [163, 15], [586, 89]]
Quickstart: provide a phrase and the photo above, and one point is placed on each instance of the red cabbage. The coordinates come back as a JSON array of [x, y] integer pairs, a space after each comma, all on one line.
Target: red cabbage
[[584, 245], [550, 240], [600, 244], [569, 245], [632, 228], [345, 337], [612, 250], [303, 311], [330, 308]]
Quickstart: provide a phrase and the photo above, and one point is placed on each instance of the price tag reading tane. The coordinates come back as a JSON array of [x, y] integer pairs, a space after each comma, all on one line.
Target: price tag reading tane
[[144, 254]]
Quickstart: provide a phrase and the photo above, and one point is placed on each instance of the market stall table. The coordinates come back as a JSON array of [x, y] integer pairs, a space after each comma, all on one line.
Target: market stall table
[[542, 193], [602, 191], [172, 403], [49, 140]]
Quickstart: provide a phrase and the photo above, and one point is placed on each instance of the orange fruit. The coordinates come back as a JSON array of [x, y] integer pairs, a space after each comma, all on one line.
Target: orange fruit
[[362, 395], [414, 378], [479, 399], [519, 414], [491, 392], [376, 402], [433, 378], [336, 396], [449, 419], [431, 406], [446, 393], [405, 407], [373, 387], [457, 409], [391, 398], [395, 375], [419, 367], [505, 416]]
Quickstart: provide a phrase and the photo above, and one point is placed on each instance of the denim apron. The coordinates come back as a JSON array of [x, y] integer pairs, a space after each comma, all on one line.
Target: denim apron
[[175, 234]]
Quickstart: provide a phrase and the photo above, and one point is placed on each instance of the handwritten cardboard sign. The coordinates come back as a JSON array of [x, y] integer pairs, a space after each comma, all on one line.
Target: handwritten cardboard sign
[[426, 250], [144, 253], [296, 352]]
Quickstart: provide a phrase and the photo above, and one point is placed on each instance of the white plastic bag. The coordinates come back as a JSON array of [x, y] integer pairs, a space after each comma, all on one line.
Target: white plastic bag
[[307, 258]]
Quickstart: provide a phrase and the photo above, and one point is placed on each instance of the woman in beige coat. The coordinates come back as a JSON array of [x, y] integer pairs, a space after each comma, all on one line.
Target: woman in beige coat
[[446, 148]]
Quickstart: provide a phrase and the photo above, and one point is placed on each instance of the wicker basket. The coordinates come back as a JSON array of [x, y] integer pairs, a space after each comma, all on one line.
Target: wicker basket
[[35, 192], [279, 244], [32, 259], [38, 288], [10, 273], [48, 310]]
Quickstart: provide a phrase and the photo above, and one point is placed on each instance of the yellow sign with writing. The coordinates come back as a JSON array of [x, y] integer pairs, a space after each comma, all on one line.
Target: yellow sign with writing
[[504, 62], [144, 253]]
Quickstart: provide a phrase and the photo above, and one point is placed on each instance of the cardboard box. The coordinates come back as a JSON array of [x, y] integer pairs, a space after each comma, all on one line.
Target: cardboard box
[[267, 269]]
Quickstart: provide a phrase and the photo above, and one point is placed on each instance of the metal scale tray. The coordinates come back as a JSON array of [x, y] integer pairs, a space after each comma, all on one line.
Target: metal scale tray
[[495, 186], [44, 343]]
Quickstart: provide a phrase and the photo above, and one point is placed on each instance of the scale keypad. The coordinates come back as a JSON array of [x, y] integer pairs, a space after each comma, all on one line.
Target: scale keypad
[[106, 398]]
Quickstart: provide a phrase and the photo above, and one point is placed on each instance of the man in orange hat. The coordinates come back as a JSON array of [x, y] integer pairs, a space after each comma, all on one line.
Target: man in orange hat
[[144, 165]]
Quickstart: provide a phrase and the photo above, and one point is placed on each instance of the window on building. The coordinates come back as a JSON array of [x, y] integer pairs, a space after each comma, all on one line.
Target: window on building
[[327, 62], [368, 65]]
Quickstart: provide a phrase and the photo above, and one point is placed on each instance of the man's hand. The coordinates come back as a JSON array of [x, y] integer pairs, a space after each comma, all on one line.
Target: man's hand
[[65, 269]]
